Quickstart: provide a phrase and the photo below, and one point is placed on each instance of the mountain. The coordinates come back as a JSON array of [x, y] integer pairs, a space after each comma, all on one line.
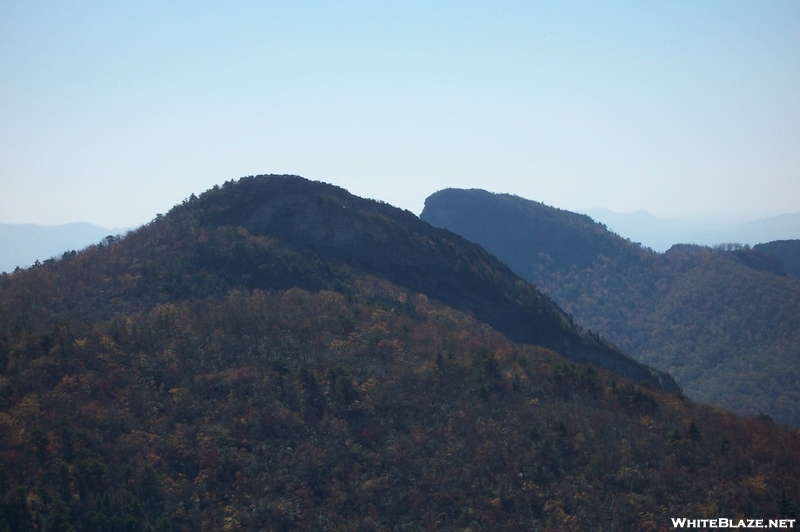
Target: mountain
[[264, 357], [725, 322], [783, 227], [399, 247], [23, 244], [661, 234], [786, 250]]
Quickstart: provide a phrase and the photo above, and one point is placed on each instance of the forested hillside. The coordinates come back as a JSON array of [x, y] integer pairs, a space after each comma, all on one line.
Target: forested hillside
[[725, 322], [246, 362], [787, 250]]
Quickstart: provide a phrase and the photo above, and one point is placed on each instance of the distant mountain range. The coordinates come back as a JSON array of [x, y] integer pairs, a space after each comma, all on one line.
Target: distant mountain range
[[661, 234], [725, 321], [23, 244]]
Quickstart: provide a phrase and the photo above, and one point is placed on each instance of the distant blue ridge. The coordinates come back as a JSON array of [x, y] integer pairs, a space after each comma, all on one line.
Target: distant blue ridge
[[21, 245]]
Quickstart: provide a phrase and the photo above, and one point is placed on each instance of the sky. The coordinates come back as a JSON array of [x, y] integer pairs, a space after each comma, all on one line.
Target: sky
[[112, 112]]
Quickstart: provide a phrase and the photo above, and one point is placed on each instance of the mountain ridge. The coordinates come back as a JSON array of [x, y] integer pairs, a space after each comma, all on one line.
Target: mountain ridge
[[281, 207], [661, 234], [702, 314], [342, 231], [787, 250], [198, 375]]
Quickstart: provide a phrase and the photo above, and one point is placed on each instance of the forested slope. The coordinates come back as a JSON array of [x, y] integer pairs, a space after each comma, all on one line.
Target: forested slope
[[724, 322], [787, 250], [197, 375]]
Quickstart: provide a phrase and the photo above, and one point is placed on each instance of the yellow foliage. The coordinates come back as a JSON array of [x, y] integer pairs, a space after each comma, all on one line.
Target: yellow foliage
[[757, 483]]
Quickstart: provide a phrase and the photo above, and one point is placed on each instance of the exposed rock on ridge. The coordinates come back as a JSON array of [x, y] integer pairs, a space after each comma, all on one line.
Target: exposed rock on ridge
[[383, 240]]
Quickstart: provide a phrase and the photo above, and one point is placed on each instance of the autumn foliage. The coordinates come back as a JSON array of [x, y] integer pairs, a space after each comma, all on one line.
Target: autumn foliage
[[143, 387]]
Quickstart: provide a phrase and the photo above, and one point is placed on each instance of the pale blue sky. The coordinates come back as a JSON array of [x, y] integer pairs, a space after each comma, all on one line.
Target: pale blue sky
[[113, 112]]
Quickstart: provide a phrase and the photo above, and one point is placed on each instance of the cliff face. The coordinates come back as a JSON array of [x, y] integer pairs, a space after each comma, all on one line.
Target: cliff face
[[723, 321], [385, 241], [523, 233], [788, 251]]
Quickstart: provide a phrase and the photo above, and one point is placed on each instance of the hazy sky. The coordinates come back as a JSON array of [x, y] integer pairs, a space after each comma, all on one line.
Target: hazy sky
[[111, 112]]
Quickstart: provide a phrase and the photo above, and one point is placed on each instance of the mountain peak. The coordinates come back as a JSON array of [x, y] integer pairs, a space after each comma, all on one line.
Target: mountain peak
[[379, 239], [700, 313], [278, 353], [299, 211], [566, 237]]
